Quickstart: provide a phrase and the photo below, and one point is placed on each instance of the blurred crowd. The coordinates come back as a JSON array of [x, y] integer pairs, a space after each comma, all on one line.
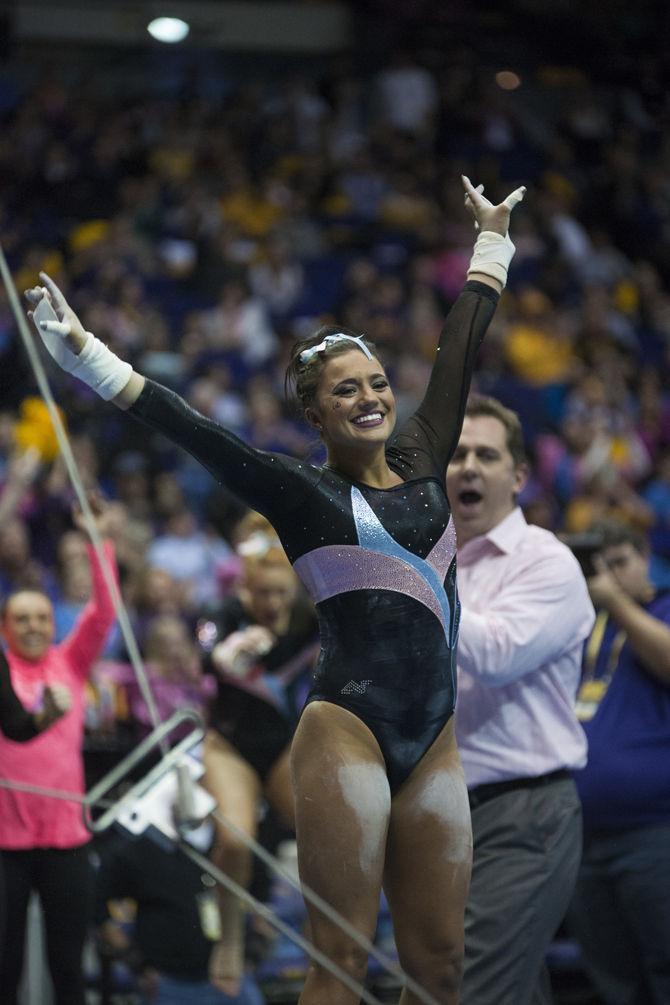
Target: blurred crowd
[[198, 238]]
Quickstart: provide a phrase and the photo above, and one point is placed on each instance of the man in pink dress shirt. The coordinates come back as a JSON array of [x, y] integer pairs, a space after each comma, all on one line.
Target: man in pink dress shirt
[[525, 615], [43, 841]]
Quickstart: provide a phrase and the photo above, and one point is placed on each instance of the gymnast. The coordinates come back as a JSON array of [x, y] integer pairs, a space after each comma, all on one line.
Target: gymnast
[[380, 798]]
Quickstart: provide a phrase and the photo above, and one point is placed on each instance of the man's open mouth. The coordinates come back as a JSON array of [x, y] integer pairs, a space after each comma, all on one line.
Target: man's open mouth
[[469, 497]]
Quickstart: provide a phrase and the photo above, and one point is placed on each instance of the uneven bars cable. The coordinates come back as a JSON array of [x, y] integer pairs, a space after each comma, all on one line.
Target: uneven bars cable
[[41, 790], [230, 884], [276, 921], [329, 911], [270, 860]]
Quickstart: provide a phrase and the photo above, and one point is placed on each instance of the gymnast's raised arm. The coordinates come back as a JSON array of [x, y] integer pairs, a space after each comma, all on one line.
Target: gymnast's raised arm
[[430, 435], [77, 351], [266, 482]]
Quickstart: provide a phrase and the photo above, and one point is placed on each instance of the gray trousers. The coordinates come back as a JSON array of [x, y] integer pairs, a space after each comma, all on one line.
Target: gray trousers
[[527, 848]]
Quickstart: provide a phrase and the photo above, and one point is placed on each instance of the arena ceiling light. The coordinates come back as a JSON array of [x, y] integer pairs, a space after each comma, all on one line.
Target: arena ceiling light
[[168, 29], [508, 80]]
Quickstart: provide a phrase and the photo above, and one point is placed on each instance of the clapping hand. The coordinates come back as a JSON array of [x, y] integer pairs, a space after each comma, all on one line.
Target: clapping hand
[[236, 653], [56, 701]]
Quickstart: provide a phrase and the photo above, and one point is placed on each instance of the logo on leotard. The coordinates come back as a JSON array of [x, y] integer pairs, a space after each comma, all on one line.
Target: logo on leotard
[[356, 687]]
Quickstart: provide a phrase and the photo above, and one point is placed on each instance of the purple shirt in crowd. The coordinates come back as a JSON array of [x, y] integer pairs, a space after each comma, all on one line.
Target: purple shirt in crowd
[[526, 613]]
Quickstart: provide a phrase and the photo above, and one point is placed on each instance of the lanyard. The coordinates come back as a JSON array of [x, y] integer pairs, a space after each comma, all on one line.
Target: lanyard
[[594, 645], [592, 690]]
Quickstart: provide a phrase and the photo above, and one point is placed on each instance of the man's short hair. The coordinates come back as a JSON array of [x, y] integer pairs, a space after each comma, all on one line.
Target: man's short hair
[[482, 404]]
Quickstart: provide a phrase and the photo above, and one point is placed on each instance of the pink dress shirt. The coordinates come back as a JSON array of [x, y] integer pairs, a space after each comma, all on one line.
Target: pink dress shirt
[[526, 612], [53, 759]]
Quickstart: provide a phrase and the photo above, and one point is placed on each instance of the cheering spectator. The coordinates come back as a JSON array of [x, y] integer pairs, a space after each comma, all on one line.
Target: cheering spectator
[[43, 840]]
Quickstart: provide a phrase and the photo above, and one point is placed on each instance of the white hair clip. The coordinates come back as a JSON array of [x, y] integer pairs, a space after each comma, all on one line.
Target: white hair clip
[[307, 354]]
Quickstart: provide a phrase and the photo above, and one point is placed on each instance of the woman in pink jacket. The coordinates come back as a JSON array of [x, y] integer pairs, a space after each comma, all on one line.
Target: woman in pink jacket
[[43, 839]]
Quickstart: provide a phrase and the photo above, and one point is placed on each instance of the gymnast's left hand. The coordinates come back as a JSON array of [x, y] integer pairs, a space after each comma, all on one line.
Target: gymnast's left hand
[[68, 326], [486, 215]]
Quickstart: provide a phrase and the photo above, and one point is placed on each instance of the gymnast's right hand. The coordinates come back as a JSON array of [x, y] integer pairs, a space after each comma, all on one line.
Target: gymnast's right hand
[[77, 351], [68, 327]]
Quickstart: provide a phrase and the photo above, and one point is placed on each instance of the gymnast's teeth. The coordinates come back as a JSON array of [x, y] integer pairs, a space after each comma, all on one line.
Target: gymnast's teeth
[[371, 419]]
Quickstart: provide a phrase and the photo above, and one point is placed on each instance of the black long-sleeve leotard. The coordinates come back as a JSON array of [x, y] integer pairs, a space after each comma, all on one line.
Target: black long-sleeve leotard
[[380, 564]]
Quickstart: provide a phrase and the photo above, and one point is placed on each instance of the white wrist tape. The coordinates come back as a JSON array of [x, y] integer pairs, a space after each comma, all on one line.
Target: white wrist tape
[[492, 255], [98, 367]]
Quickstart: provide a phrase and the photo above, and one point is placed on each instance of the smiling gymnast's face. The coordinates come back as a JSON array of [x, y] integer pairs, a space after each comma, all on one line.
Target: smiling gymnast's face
[[354, 405]]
